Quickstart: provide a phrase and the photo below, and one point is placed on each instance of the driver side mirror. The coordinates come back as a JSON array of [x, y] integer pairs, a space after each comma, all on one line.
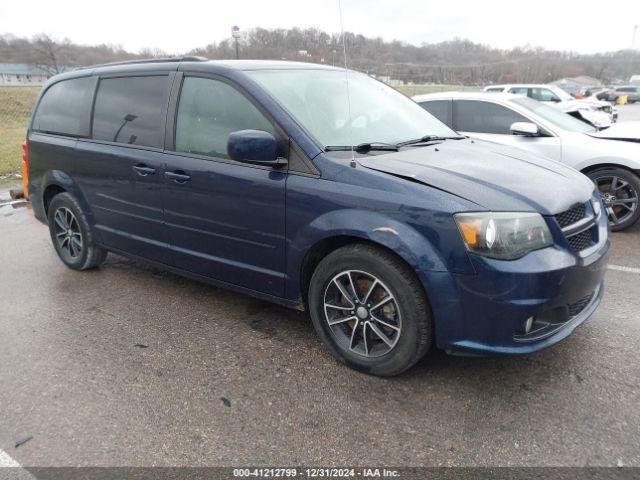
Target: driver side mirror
[[526, 129], [254, 146]]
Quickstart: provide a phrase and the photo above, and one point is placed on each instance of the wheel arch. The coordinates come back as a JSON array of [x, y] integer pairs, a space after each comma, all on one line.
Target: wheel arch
[[55, 182], [598, 166], [400, 240]]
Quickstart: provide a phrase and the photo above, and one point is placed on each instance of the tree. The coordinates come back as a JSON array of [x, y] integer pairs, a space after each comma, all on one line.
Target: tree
[[49, 55]]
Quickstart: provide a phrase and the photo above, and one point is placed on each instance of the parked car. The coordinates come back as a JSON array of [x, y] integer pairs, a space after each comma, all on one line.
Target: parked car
[[599, 113], [269, 178], [519, 121], [632, 92]]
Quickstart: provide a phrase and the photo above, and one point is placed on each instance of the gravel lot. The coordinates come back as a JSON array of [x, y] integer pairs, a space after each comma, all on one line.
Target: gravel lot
[[131, 366]]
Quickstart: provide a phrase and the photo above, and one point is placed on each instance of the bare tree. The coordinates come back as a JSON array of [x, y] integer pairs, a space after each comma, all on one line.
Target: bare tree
[[49, 55]]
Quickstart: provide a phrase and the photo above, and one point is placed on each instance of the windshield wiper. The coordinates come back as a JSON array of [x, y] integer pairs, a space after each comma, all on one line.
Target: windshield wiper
[[429, 138], [364, 147]]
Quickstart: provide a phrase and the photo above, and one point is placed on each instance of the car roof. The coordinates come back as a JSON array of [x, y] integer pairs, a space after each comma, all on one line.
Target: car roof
[[190, 63], [475, 95], [523, 85]]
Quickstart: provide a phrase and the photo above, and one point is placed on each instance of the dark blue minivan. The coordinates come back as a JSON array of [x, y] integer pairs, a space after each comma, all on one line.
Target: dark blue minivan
[[319, 189]]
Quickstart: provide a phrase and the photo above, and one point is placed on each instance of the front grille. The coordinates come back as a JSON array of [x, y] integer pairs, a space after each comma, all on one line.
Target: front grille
[[578, 225], [581, 241], [573, 215], [579, 306]]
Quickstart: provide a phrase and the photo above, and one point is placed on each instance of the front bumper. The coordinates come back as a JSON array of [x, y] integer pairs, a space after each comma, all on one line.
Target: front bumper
[[486, 313]]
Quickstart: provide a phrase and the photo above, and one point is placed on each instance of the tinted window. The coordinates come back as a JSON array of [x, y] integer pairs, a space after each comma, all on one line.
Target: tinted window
[[485, 117], [441, 109], [208, 111], [65, 108], [494, 89], [129, 110]]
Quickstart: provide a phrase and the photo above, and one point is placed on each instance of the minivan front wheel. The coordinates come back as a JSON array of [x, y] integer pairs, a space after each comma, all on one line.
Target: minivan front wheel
[[71, 235], [370, 310]]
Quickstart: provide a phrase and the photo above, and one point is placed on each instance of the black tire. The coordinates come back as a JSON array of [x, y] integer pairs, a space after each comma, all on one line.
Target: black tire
[[79, 252], [410, 308], [626, 212]]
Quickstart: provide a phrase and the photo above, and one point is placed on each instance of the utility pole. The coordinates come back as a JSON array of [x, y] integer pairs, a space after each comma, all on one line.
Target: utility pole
[[633, 40], [235, 33]]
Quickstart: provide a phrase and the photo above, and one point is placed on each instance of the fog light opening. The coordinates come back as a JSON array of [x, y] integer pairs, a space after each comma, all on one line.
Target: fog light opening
[[528, 324]]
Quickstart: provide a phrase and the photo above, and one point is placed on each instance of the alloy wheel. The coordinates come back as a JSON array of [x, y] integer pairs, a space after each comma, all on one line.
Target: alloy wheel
[[67, 234], [362, 313], [620, 198]]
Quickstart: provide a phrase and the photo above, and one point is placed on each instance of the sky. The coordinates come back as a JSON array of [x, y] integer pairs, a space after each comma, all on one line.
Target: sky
[[177, 27]]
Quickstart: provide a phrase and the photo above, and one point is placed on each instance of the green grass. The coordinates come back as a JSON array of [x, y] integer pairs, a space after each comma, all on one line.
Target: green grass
[[412, 90], [16, 104]]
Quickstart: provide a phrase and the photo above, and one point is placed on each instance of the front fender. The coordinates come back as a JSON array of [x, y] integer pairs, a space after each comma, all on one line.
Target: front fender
[[629, 163], [417, 250]]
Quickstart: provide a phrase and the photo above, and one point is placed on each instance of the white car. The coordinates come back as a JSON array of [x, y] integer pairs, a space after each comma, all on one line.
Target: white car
[[613, 165], [598, 113]]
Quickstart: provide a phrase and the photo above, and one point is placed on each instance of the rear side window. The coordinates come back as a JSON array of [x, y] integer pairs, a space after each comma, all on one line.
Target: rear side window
[[485, 117], [65, 108], [441, 109], [130, 110], [208, 111], [494, 89]]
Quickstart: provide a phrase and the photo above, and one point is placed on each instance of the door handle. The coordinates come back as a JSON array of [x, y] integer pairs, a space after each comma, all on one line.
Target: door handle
[[178, 176], [143, 170]]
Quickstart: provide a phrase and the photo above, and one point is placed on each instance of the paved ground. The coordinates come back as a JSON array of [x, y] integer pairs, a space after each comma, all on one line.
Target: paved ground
[[224, 379], [629, 112]]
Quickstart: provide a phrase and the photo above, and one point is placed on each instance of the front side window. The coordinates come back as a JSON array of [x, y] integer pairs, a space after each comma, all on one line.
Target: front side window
[[65, 108], [130, 110], [208, 111], [371, 112], [485, 117]]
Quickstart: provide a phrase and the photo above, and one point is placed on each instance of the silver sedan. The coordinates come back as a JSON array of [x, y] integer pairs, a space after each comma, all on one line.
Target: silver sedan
[[611, 163]]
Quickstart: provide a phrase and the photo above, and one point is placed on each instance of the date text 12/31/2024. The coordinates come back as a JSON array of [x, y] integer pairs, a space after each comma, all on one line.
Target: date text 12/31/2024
[[315, 473]]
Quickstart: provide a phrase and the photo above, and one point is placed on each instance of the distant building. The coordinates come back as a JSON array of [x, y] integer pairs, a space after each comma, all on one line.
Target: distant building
[[18, 75], [635, 79], [573, 85]]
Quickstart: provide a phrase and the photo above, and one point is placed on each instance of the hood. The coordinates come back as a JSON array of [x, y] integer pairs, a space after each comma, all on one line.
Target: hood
[[493, 176], [629, 131]]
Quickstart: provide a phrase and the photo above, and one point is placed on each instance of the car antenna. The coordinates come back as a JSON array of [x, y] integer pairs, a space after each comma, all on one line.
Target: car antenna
[[346, 77]]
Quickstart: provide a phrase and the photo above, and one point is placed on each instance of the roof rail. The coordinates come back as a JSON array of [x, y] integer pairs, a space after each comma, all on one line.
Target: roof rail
[[186, 58]]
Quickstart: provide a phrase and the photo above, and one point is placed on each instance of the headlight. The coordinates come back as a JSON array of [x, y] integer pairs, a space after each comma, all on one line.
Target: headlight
[[502, 235]]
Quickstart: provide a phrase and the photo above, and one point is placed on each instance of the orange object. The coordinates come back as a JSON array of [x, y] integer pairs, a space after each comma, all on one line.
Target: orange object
[[470, 232], [25, 168]]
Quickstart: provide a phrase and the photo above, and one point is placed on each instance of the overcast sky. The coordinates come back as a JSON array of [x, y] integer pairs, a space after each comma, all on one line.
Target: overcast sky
[[185, 24]]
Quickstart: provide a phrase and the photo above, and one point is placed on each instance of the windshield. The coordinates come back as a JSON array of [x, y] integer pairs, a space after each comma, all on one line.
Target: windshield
[[317, 99], [555, 116], [563, 95]]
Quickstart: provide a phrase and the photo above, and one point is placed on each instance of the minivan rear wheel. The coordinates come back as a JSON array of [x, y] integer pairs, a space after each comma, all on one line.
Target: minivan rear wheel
[[370, 310], [71, 235], [620, 191]]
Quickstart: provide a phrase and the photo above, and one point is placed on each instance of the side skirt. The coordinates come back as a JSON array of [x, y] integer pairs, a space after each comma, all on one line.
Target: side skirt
[[296, 305]]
